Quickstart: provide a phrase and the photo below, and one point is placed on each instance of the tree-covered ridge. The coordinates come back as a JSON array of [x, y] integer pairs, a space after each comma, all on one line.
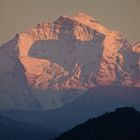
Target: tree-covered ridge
[[122, 124]]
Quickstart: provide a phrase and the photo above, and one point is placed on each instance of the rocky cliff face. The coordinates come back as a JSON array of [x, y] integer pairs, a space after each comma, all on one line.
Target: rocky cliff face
[[56, 62]]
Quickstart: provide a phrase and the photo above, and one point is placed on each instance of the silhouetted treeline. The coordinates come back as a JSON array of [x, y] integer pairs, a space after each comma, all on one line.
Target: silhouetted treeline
[[122, 124]]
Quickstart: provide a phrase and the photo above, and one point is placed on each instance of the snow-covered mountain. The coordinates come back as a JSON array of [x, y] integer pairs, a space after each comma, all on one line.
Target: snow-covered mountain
[[52, 64]]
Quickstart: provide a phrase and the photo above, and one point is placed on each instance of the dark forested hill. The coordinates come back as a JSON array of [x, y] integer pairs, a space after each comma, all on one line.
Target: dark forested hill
[[122, 124]]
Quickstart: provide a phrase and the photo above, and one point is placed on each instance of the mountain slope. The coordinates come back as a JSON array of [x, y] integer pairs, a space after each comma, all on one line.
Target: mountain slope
[[14, 130], [93, 103], [14, 91], [122, 124], [52, 64]]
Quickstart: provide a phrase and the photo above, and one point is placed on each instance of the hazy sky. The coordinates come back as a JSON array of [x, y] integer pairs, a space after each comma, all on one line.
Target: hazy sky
[[19, 15]]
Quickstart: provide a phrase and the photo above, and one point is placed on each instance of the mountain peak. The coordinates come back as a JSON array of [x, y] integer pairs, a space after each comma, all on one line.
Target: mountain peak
[[44, 29], [79, 17], [91, 22], [84, 16], [64, 19], [85, 20]]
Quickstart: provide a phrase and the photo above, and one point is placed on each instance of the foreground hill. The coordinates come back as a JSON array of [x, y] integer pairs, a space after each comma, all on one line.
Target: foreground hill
[[122, 124]]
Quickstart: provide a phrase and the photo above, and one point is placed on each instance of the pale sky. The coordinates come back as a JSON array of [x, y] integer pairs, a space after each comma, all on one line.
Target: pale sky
[[19, 15]]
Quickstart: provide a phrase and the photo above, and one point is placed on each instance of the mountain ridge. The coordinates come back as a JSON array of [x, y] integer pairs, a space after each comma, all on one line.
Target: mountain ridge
[[14, 130]]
